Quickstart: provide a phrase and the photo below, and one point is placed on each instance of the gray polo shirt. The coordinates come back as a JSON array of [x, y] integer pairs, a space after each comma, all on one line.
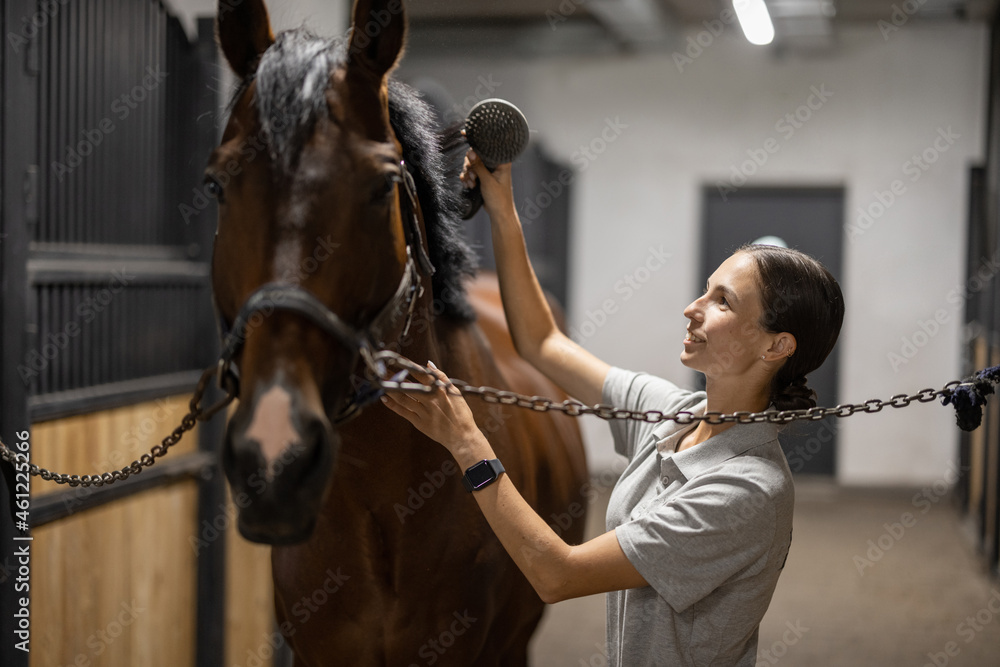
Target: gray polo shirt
[[709, 529]]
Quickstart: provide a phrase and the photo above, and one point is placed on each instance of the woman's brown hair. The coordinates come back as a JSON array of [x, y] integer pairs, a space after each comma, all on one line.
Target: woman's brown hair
[[799, 296]]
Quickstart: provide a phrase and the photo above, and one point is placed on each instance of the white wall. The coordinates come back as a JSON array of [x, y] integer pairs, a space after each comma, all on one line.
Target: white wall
[[324, 17], [680, 130]]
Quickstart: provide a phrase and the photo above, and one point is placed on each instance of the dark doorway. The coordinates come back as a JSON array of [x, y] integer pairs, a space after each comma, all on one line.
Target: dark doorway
[[807, 219]]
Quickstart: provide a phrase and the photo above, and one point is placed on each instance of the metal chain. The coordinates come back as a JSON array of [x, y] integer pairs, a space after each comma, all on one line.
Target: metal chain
[[196, 414], [376, 364], [608, 412]]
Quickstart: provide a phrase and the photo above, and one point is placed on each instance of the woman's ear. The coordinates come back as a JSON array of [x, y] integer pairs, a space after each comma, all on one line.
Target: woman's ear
[[783, 345]]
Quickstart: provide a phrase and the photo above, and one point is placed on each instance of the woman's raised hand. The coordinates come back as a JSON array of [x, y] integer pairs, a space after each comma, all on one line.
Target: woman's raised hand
[[498, 194]]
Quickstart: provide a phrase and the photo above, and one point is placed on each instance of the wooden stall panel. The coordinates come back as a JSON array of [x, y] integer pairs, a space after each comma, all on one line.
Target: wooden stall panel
[[991, 509], [977, 439], [250, 632], [115, 585]]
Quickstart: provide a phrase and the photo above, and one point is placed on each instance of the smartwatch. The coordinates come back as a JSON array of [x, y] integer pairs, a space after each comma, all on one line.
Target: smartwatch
[[482, 474]]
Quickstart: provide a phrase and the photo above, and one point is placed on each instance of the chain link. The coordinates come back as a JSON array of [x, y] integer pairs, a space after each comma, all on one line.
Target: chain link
[[608, 412], [188, 422], [376, 364]]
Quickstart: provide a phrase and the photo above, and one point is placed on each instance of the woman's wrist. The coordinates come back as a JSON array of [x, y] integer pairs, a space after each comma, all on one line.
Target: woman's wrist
[[505, 217], [471, 449]]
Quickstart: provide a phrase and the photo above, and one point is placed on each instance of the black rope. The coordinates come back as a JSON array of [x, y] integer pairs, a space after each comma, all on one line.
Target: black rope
[[969, 398]]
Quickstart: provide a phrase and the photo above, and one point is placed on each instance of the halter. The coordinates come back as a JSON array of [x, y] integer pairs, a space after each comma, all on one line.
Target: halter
[[362, 342]]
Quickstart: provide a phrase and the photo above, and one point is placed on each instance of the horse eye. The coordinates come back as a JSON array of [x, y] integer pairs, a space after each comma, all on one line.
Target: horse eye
[[212, 187], [384, 188]]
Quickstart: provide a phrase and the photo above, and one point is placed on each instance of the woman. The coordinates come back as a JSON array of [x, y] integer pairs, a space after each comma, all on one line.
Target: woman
[[700, 522]]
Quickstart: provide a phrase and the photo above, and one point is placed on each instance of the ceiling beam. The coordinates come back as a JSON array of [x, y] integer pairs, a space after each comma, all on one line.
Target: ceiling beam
[[640, 25]]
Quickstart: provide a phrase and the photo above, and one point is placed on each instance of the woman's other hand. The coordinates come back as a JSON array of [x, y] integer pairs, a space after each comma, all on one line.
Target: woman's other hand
[[442, 415]]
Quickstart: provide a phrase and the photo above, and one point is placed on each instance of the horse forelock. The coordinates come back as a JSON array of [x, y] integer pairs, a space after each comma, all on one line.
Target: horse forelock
[[290, 96]]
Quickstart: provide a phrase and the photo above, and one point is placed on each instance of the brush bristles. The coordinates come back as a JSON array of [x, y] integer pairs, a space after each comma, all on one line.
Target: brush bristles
[[497, 131]]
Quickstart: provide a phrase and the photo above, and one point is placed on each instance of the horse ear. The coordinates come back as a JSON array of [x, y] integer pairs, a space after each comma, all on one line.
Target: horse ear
[[377, 35], [244, 32]]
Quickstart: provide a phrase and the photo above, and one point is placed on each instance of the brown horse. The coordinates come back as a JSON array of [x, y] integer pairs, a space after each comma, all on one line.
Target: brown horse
[[338, 235]]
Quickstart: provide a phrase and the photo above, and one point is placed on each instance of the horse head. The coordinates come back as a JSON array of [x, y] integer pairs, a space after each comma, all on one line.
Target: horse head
[[312, 261]]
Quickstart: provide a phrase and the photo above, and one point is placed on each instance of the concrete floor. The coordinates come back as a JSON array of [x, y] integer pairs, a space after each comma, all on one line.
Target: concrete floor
[[916, 596]]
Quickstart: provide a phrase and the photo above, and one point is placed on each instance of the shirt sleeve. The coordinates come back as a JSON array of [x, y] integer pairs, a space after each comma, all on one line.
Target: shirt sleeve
[[640, 391], [692, 543]]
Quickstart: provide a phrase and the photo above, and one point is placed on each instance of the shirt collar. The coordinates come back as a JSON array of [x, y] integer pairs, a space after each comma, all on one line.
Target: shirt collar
[[732, 442], [695, 404]]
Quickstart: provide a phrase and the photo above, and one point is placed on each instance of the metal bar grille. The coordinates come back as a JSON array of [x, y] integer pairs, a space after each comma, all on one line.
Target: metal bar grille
[[107, 70], [120, 151], [93, 333]]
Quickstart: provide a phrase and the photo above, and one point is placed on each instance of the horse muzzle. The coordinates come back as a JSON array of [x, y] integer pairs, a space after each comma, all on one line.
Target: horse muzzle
[[278, 460]]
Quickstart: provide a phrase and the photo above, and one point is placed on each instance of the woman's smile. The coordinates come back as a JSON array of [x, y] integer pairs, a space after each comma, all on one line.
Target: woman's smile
[[692, 339]]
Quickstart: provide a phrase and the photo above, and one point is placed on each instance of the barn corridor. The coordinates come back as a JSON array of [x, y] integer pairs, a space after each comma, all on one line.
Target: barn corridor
[[924, 600]]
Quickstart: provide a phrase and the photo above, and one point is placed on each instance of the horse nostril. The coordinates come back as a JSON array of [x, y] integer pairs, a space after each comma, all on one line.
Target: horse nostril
[[242, 458], [312, 456], [307, 457], [318, 433]]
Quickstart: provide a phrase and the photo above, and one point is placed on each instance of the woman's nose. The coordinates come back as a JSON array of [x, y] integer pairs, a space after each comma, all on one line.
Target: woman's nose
[[693, 311]]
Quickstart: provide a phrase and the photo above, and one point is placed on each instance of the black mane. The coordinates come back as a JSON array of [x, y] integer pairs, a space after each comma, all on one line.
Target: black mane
[[292, 79]]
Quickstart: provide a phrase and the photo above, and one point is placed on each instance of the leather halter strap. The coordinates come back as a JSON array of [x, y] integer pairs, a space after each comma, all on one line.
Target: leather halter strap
[[411, 224], [360, 341]]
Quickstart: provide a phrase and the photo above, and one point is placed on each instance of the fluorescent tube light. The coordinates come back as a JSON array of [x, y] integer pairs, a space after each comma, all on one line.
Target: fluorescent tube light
[[755, 21]]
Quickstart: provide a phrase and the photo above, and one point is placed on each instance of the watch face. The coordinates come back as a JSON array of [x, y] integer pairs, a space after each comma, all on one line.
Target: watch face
[[480, 474]]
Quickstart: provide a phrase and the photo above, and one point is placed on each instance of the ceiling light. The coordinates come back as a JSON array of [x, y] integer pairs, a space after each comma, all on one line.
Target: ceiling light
[[755, 21]]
